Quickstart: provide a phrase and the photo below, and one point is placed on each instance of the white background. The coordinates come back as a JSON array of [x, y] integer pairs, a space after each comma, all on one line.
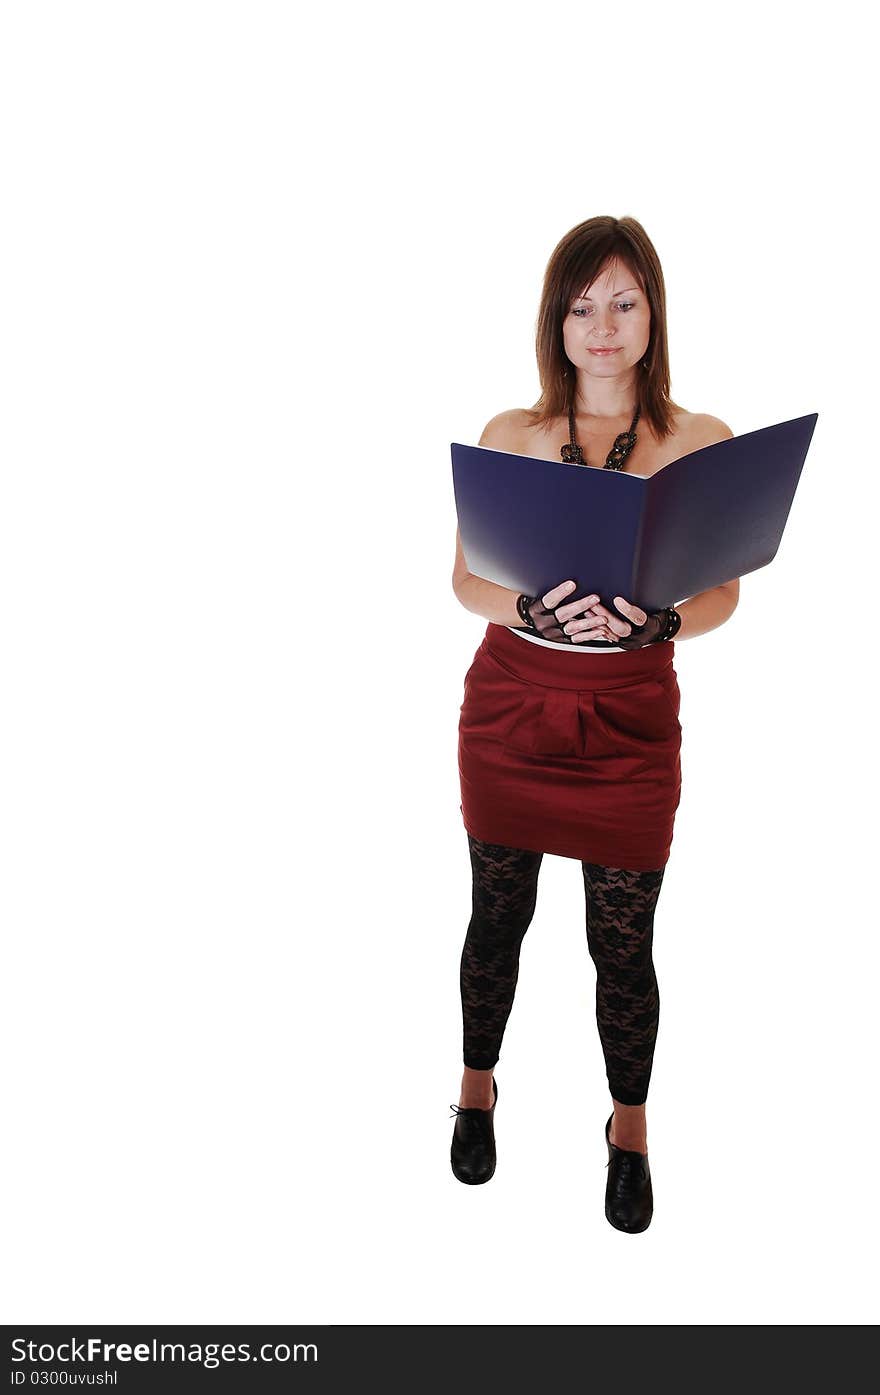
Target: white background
[[259, 270]]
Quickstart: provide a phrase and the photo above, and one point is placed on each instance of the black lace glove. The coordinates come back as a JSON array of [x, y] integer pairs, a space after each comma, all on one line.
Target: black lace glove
[[545, 615], [648, 633], [656, 626], [625, 629]]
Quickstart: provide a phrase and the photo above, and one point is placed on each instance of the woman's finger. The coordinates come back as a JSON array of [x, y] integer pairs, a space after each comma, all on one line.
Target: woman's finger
[[571, 607], [589, 622], [552, 598], [618, 626], [606, 614], [631, 612]]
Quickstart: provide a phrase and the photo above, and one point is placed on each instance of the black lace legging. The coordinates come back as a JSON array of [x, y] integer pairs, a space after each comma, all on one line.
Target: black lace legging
[[620, 922]]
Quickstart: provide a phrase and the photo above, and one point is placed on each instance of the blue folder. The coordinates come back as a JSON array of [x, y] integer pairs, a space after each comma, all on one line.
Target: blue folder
[[704, 519]]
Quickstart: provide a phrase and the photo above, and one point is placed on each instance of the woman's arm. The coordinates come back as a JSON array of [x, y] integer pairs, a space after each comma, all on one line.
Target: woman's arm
[[708, 609], [483, 597]]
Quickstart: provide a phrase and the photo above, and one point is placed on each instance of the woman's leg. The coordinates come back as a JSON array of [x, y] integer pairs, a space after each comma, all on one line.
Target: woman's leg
[[620, 924], [505, 889]]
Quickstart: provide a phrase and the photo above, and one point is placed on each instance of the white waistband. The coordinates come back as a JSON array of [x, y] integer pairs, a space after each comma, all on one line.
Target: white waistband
[[569, 648]]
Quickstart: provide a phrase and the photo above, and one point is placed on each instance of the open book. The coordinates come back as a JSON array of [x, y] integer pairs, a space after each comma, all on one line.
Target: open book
[[704, 519]]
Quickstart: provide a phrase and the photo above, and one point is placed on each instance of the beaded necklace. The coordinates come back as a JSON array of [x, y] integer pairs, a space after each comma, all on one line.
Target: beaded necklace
[[623, 445]]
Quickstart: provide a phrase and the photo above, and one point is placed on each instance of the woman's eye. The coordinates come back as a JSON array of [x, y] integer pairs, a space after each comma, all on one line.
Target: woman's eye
[[581, 310]]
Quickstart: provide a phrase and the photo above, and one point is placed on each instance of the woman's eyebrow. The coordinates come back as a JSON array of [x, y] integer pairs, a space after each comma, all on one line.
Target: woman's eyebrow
[[613, 293]]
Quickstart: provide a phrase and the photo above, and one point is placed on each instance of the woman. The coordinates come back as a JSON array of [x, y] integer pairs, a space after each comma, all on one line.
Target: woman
[[569, 738]]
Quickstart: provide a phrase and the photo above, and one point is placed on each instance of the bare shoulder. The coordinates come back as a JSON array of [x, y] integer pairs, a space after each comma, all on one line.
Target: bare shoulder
[[706, 430], [505, 431]]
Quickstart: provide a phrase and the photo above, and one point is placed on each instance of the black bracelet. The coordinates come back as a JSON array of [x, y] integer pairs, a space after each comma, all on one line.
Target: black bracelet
[[522, 609], [671, 624]]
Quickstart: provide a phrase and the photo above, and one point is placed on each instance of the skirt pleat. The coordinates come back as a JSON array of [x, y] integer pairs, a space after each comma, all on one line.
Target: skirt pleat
[[576, 754]]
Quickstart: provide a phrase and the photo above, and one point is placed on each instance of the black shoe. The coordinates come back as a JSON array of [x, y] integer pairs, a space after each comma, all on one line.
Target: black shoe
[[629, 1199], [473, 1142]]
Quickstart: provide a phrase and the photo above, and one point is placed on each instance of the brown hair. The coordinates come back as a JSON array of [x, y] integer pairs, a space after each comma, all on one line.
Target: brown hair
[[574, 264]]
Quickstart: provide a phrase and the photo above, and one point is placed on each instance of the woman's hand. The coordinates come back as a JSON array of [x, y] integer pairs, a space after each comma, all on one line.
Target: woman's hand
[[635, 633], [549, 615]]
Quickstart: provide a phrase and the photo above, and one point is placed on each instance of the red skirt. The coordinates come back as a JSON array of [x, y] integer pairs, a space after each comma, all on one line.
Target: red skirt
[[576, 754]]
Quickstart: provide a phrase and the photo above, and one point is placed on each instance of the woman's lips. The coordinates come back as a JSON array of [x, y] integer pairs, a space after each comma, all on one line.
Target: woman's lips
[[603, 351]]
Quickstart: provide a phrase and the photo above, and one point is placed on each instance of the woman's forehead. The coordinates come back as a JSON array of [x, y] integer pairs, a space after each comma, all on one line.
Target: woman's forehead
[[614, 278]]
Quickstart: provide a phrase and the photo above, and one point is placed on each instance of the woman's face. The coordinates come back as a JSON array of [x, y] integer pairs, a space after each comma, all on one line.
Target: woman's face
[[612, 313]]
